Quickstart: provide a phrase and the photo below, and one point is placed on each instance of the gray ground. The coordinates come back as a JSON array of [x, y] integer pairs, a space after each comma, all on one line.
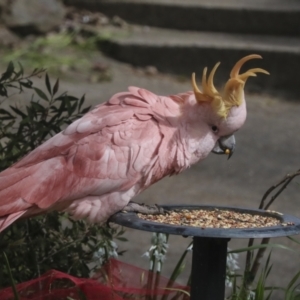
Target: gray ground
[[267, 149]]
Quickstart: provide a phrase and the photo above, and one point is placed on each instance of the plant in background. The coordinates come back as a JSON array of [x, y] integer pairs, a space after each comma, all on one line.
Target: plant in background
[[51, 241], [73, 46], [158, 251], [156, 254], [232, 265]]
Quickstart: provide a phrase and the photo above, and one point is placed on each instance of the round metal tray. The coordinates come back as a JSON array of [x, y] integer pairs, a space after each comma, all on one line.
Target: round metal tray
[[132, 220]]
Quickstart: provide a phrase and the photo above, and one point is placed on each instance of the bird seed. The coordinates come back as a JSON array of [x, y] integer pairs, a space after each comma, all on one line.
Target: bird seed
[[213, 219]]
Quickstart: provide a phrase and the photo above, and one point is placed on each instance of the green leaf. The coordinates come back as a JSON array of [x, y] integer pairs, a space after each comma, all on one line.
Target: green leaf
[[85, 110], [5, 112], [41, 94], [18, 112], [26, 120], [9, 71], [38, 107], [56, 87], [21, 69], [122, 239], [27, 84], [48, 84], [19, 73], [82, 99], [53, 119], [9, 125], [7, 118], [293, 281], [11, 86], [3, 91], [280, 246], [65, 97], [71, 109], [270, 294]]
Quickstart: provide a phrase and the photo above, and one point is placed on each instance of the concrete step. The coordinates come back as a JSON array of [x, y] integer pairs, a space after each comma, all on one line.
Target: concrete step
[[270, 17], [183, 52]]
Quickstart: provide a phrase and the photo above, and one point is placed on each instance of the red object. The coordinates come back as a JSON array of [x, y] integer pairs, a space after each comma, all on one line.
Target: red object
[[114, 281]]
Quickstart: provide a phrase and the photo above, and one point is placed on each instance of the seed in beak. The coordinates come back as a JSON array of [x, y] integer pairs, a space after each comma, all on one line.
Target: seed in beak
[[227, 151]]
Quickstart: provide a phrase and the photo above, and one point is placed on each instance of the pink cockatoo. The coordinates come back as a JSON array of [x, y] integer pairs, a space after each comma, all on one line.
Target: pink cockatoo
[[94, 167]]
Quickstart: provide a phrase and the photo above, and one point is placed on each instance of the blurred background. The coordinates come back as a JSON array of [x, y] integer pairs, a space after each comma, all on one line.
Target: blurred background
[[99, 48]]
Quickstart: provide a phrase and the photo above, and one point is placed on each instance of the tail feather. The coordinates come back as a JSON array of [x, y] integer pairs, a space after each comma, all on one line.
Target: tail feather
[[9, 219]]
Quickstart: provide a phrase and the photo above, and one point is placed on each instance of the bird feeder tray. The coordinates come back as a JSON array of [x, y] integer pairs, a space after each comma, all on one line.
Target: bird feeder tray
[[287, 225], [210, 244]]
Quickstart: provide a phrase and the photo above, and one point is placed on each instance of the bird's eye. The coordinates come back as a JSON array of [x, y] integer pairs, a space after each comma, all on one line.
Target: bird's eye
[[214, 128]]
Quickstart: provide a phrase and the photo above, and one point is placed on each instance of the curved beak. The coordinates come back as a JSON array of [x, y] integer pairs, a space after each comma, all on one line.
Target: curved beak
[[225, 145]]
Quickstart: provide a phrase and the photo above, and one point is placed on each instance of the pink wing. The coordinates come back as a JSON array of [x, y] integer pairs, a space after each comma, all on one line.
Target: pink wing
[[107, 150]]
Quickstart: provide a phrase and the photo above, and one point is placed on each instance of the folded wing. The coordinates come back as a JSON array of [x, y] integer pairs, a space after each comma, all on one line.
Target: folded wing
[[109, 149]]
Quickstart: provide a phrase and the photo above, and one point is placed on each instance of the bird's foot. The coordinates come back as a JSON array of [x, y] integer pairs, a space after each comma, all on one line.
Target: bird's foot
[[144, 209]]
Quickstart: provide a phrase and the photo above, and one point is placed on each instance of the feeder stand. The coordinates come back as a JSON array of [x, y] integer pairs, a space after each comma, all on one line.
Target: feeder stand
[[210, 244]]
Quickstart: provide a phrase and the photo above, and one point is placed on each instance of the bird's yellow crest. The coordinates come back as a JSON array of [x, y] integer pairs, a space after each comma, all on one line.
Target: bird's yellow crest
[[232, 94]]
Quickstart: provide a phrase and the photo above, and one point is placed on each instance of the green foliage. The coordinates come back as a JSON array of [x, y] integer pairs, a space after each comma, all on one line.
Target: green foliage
[[59, 51], [53, 51], [51, 241], [259, 290], [22, 130], [292, 291]]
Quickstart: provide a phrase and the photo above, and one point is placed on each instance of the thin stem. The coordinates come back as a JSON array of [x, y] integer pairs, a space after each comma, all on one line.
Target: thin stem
[[281, 190], [156, 283], [13, 285], [259, 256], [287, 179], [249, 256], [150, 278]]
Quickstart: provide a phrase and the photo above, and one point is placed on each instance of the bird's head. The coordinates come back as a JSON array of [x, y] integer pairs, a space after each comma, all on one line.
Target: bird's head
[[227, 110]]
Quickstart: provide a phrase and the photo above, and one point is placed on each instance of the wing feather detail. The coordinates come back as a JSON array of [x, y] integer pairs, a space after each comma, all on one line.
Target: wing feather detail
[[111, 148], [135, 102], [99, 162]]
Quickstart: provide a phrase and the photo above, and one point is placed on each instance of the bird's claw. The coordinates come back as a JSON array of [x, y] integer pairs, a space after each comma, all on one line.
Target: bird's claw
[[144, 209]]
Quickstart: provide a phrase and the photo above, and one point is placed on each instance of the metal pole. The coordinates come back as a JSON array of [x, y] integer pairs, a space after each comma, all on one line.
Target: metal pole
[[208, 268]]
